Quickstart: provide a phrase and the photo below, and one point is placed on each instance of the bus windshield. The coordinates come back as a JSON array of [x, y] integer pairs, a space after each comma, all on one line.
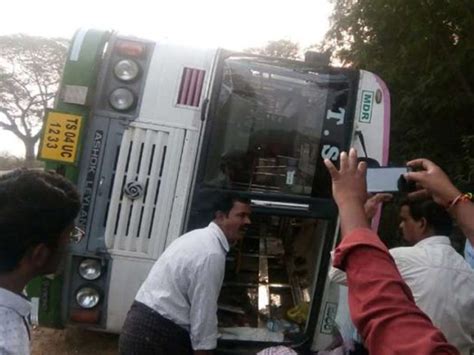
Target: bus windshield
[[268, 123]]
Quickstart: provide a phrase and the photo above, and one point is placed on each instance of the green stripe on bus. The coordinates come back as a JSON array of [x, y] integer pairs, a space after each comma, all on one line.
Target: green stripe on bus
[[82, 72]]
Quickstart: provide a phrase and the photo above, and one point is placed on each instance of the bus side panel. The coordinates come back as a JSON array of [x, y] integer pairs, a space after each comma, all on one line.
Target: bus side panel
[[173, 71], [127, 276], [372, 118], [183, 189], [372, 122]]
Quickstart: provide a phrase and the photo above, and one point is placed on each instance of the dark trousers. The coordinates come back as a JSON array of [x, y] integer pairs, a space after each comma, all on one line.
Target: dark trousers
[[145, 331]]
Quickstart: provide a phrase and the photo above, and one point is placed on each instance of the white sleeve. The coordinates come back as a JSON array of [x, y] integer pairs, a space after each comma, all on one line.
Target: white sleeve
[[203, 292], [408, 262], [336, 275]]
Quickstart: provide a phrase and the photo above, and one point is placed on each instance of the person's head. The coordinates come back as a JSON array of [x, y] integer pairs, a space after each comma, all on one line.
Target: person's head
[[232, 215], [37, 212], [422, 219]]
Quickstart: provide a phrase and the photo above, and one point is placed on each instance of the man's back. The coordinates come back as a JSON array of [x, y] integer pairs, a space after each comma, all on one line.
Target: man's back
[[166, 287], [441, 282], [175, 310], [184, 284]]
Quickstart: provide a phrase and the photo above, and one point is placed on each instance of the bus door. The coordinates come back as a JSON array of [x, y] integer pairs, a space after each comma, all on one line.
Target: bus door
[[270, 125]]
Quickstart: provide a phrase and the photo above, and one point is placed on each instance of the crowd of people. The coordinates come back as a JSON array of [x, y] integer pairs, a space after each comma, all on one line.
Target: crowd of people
[[408, 300], [382, 306], [432, 269]]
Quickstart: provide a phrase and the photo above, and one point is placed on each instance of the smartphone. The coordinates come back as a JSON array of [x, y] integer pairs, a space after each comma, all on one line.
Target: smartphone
[[386, 179]]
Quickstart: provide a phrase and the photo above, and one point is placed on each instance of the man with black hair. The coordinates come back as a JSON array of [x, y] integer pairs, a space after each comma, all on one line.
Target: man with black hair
[[439, 278], [37, 212], [175, 310], [422, 219]]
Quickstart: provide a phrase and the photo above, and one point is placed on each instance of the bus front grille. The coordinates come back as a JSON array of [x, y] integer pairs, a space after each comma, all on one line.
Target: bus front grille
[[139, 199]]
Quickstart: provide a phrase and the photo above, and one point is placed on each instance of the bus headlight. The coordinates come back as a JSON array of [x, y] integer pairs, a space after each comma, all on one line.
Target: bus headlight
[[122, 99], [126, 70], [87, 297], [90, 269]]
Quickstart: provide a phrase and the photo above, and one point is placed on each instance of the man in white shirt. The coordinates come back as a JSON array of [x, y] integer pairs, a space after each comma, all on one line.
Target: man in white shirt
[[175, 310], [439, 278], [37, 211]]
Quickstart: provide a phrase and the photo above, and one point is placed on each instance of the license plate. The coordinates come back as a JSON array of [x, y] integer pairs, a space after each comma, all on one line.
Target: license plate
[[60, 137]]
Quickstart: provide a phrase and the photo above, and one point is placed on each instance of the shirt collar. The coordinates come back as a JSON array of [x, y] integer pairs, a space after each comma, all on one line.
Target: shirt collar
[[15, 302], [435, 239], [220, 235]]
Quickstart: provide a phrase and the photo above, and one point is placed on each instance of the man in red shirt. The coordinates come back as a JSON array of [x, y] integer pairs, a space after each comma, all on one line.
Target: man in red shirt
[[381, 304]]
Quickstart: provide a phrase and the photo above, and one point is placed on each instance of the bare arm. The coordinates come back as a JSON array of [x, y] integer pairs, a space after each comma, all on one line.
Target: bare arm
[[464, 215], [435, 183], [372, 204]]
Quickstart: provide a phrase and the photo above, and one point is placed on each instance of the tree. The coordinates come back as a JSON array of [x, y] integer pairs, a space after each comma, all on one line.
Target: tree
[[424, 50], [282, 49], [10, 162], [30, 69]]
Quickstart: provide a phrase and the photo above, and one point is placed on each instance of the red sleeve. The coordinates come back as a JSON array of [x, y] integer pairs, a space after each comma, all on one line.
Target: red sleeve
[[381, 304]]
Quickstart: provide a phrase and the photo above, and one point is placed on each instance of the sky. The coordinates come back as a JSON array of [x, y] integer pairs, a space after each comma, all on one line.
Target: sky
[[207, 23]]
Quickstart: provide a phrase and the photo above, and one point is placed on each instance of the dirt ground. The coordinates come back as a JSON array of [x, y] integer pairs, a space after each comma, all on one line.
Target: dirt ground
[[72, 341]]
